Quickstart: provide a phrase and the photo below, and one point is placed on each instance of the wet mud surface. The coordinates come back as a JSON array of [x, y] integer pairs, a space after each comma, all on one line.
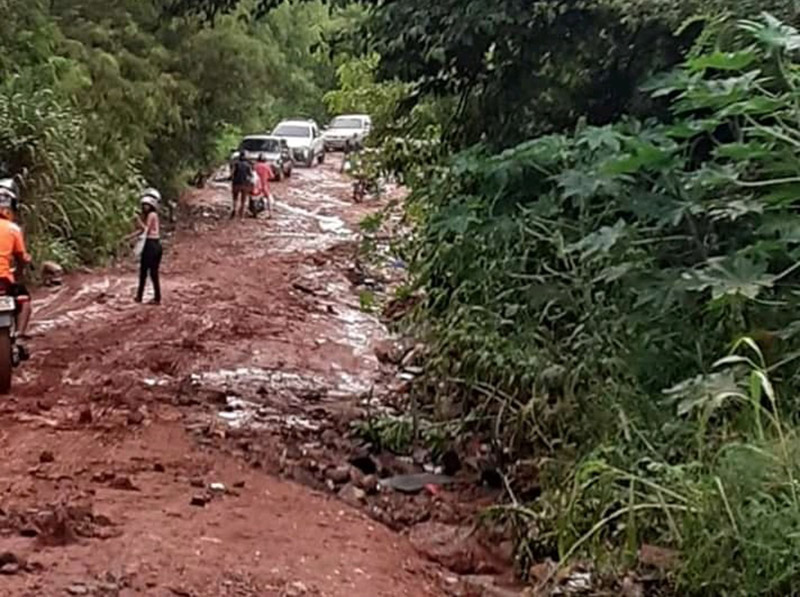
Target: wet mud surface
[[145, 446]]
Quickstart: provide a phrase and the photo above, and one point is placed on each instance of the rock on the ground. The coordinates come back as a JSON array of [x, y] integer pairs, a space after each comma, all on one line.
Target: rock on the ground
[[454, 547], [339, 474], [329, 438], [123, 483], [52, 273], [389, 352], [660, 558], [485, 586], [10, 563], [135, 417], [369, 483], [47, 457], [295, 589], [9, 569], [352, 495], [85, 418], [365, 464], [631, 588]]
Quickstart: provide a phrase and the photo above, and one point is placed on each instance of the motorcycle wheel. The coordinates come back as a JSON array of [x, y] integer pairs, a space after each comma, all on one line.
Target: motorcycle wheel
[[6, 366]]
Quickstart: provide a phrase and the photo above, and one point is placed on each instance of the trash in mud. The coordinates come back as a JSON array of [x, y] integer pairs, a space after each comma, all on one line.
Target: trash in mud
[[411, 484], [218, 488]]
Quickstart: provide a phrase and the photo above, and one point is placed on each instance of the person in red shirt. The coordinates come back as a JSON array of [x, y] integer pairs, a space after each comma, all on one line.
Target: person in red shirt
[[264, 174]]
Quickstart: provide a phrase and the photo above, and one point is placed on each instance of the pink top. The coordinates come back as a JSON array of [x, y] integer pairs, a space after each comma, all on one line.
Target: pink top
[[153, 225], [264, 173]]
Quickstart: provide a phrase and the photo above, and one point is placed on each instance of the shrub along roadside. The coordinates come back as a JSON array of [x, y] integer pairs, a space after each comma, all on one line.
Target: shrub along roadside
[[579, 288]]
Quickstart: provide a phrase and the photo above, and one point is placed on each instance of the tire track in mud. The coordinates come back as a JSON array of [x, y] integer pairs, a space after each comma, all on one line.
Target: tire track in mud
[[100, 472]]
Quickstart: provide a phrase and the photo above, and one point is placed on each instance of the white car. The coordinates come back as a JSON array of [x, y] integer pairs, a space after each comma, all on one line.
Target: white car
[[304, 140], [352, 127]]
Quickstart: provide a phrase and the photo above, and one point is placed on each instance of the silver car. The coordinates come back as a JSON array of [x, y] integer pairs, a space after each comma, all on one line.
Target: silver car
[[304, 140], [275, 149]]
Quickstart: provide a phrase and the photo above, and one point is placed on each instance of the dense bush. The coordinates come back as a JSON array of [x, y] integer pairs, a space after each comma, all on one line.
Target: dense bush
[[579, 288]]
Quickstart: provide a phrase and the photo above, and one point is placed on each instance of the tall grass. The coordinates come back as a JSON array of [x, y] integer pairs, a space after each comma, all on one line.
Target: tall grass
[[75, 205]]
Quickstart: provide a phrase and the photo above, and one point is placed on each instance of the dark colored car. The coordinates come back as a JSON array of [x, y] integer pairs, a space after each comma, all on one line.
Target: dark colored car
[[276, 151]]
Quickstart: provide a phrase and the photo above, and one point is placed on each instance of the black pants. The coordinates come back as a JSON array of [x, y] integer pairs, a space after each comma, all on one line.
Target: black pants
[[151, 261]]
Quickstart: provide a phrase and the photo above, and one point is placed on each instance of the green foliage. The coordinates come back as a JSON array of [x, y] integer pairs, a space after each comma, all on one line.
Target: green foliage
[[358, 93], [579, 287], [68, 210], [396, 434], [99, 98]]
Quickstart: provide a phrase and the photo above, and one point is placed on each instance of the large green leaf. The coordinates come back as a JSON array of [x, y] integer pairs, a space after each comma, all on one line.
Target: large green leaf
[[773, 33], [600, 242], [719, 60], [578, 183], [730, 277]]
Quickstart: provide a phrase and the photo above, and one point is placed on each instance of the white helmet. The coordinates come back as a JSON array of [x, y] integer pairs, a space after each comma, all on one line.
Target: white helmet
[[8, 187], [151, 197], [9, 193]]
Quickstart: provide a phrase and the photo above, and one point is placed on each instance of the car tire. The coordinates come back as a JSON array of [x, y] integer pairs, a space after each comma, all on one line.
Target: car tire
[[279, 175], [322, 158], [310, 161]]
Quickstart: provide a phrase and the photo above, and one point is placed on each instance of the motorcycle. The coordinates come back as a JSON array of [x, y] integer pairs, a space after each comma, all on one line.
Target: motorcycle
[[12, 354], [257, 206], [259, 202]]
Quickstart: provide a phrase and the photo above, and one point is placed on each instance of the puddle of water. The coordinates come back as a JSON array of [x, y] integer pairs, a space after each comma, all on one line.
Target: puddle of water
[[242, 413], [91, 312], [249, 378], [282, 392], [98, 287], [332, 224]]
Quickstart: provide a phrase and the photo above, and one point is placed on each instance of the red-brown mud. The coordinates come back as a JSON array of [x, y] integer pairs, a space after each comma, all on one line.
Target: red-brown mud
[[113, 481]]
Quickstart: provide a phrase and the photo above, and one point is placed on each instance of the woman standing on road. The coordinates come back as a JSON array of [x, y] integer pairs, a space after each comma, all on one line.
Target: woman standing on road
[[151, 250]]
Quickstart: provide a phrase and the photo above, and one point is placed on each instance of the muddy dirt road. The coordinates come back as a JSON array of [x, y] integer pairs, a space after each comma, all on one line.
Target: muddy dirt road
[[122, 472]]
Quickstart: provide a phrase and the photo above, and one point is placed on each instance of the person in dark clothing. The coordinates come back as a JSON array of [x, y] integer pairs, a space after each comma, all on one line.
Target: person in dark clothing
[[241, 184], [150, 245]]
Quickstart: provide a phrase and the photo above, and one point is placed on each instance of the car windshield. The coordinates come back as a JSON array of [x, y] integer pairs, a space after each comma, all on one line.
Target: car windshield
[[261, 145], [293, 130], [347, 123]]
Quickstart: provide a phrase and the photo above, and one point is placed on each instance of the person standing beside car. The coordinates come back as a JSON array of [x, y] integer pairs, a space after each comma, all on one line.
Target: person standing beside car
[[241, 183], [264, 174]]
